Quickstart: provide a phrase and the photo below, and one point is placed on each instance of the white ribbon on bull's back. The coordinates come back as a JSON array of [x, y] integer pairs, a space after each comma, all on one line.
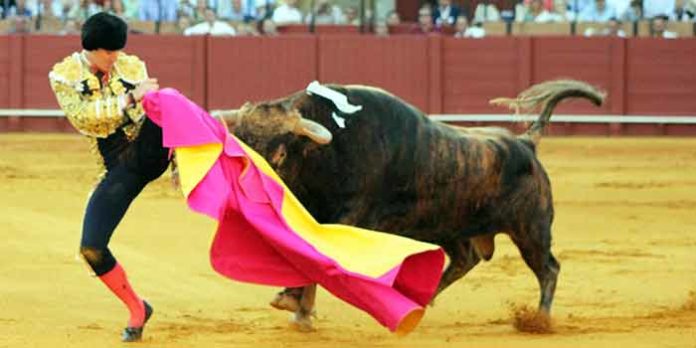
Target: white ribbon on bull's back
[[339, 120], [339, 99]]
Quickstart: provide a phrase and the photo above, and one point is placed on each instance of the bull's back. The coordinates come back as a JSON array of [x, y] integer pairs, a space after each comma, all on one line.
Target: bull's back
[[421, 178]]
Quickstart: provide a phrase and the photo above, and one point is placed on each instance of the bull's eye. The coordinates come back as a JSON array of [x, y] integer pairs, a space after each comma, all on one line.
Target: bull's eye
[[279, 155]]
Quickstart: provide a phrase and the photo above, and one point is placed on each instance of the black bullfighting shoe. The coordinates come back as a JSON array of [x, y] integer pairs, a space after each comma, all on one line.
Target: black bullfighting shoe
[[134, 334]]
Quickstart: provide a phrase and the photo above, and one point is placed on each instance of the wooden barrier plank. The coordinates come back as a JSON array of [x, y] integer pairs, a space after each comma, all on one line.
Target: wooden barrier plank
[[587, 60], [5, 84], [176, 61], [39, 61], [398, 64], [258, 68], [660, 77], [17, 62], [475, 71], [541, 29], [435, 77]]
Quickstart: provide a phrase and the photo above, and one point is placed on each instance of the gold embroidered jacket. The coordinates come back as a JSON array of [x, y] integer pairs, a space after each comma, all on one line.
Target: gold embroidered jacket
[[94, 110]]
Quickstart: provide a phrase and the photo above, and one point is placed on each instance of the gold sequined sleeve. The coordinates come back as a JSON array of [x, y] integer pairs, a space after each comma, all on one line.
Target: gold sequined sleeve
[[132, 70], [96, 116]]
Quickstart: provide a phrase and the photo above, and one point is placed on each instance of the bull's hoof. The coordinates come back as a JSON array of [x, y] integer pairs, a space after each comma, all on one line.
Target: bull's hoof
[[301, 322], [286, 301]]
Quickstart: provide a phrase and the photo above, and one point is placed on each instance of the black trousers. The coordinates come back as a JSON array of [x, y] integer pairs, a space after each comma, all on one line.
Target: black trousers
[[129, 167]]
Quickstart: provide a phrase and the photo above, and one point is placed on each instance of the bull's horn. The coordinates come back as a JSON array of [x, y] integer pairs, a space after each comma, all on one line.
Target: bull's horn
[[228, 118], [313, 130]]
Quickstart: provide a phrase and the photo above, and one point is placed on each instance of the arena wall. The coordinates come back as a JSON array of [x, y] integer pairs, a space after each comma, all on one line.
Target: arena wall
[[440, 75]]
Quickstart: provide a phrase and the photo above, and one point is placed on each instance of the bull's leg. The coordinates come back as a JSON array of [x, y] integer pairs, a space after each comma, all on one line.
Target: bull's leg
[[288, 299], [535, 247], [303, 316], [463, 258]]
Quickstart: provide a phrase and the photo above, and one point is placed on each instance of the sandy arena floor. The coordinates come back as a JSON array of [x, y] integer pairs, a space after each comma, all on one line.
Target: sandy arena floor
[[624, 234]]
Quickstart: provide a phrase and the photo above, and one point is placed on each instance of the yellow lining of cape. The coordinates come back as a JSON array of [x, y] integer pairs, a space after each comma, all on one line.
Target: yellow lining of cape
[[358, 250], [194, 162]]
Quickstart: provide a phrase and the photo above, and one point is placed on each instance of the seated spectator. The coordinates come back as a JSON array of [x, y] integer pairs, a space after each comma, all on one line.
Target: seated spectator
[[198, 10], [464, 30], [486, 13], [63, 9], [211, 26], [350, 16], [425, 22], [599, 12], [158, 10], [577, 6], [562, 8], [19, 9], [325, 13], [381, 29], [44, 8], [445, 14], [611, 28], [268, 28], [547, 5], [115, 7], [70, 27], [393, 18], [246, 29], [658, 27], [684, 11], [86, 9], [5, 6], [237, 10], [20, 25], [264, 8], [535, 12], [183, 23], [634, 12], [287, 13], [131, 8]]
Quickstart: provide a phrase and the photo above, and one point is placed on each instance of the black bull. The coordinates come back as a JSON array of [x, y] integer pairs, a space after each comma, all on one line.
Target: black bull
[[392, 169]]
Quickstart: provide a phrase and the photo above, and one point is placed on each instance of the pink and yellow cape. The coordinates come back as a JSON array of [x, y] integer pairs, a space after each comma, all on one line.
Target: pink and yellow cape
[[265, 235]]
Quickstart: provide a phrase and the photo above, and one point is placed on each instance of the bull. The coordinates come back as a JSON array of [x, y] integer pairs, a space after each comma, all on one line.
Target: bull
[[388, 167]]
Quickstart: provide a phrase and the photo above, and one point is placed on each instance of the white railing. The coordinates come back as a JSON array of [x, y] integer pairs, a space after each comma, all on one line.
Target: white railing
[[649, 119]]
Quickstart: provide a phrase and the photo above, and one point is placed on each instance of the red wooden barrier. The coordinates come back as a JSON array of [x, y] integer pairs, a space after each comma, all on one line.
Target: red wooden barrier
[[5, 83], [176, 61], [436, 74], [586, 59], [5, 57], [38, 61], [475, 71], [661, 77], [319, 29], [398, 64], [252, 69]]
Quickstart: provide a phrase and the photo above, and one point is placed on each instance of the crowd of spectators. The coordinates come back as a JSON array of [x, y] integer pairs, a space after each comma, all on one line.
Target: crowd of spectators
[[263, 17]]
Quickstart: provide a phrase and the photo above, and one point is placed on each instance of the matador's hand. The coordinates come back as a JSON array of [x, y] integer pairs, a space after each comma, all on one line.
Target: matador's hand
[[148, 85]]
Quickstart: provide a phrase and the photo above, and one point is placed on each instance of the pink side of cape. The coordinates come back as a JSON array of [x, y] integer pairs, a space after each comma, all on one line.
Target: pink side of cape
[[254, 243]]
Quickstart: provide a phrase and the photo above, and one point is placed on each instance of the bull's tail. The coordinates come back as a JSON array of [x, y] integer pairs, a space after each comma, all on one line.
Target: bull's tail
[[545, 96]]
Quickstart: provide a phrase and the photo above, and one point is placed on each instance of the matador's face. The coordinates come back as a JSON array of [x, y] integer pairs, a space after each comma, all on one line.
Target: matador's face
[[102, 59]]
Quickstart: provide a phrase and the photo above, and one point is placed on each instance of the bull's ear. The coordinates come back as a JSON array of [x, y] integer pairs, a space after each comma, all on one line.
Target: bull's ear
[[231, 118], [228, 118], [313, 130], [294, 103], [288, 104]]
